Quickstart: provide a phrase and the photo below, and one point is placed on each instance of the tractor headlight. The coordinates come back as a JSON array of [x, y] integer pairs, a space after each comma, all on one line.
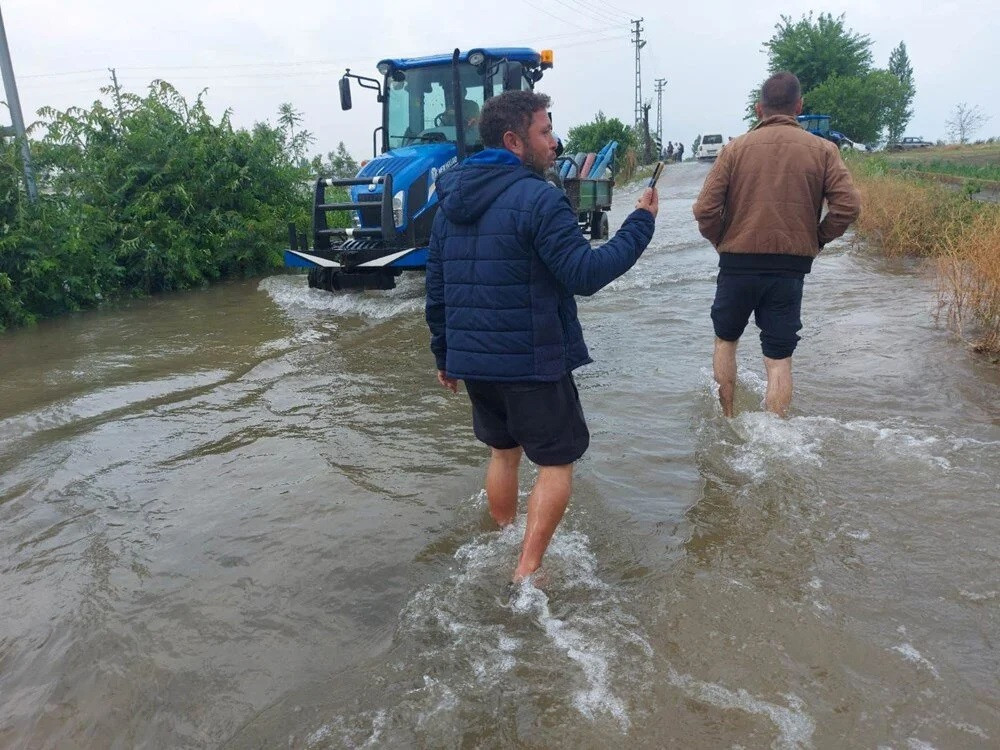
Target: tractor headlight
[[476, 58], [397, 209], [384, 67]]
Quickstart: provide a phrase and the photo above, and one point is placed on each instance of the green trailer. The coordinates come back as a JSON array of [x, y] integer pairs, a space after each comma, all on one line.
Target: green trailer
[[590, 198]]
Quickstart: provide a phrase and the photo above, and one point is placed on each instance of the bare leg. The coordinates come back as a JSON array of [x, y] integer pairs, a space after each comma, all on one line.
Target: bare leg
[[724, 365], [546, 506], [779, 385], [501, 484]]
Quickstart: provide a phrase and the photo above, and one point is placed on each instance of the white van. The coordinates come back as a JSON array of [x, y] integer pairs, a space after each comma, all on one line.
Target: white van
[[709, 147]]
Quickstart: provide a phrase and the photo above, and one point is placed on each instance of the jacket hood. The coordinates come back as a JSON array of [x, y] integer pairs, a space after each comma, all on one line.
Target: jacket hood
[[466, 191]]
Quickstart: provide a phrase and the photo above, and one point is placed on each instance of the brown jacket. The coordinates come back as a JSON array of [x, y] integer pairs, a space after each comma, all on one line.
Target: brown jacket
[[765, 192]]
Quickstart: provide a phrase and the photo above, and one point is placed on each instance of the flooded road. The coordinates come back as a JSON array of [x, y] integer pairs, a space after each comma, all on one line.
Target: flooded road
[[248, 517]]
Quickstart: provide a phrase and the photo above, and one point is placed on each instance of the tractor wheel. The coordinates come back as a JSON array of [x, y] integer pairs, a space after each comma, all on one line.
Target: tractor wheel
[[599, 225]]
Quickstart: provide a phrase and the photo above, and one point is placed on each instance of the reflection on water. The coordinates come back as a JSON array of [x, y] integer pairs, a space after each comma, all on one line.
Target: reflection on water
[[248, 517]]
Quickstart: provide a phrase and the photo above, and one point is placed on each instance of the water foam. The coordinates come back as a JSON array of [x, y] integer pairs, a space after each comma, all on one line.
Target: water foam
[[911, 654], [795, 726], [768, 440]]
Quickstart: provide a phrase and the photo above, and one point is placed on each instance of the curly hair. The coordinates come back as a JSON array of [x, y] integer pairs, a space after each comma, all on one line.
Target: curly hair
[[510, 111]]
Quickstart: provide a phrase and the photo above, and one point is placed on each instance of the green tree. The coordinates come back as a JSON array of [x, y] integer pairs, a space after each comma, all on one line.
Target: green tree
[[338, 163], [593, 136], [834, 65], [860, 104], [816, 50], [295, 141], [898, 111]]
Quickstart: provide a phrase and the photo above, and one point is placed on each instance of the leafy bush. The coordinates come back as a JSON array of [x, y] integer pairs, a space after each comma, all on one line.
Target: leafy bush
[[148, 196]]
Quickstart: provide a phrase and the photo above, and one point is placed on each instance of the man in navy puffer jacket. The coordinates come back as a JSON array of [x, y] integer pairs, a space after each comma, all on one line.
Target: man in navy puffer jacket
[[506, 258]]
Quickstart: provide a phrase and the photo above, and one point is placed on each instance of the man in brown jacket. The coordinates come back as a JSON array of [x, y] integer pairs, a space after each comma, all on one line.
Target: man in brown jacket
[[760, 207]]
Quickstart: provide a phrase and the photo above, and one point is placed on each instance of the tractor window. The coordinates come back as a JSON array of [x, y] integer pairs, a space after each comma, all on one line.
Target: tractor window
[[433, 106], [421, 108]]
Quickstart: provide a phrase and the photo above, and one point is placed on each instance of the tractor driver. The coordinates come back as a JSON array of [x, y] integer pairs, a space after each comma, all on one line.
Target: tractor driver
[[470, 111]]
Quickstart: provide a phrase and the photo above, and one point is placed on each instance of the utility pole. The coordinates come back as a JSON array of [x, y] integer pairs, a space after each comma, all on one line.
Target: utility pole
[[648, 142], [660, 84], [118, 96], [14, 104], [639, 43]]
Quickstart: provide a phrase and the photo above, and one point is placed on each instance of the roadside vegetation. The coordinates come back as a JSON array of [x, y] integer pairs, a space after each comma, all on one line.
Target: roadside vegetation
[[905, 213], [146, 195], [972, 163]]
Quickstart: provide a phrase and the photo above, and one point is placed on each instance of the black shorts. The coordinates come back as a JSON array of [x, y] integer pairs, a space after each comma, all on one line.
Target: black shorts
[[545, 419], [775, 301]]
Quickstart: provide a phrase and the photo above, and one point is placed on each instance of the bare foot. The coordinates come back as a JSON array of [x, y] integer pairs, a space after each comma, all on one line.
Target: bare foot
[[538, 578]]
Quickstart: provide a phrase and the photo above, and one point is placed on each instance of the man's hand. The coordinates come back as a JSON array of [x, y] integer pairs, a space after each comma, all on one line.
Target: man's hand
[[450, 383], [649, 200]]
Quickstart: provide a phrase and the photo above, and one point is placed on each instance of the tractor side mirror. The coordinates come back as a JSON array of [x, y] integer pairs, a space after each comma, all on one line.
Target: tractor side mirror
[[345, 92], [512, 76]]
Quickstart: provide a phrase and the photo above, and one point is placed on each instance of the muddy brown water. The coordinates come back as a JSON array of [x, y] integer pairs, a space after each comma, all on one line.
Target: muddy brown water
[[247, 517]]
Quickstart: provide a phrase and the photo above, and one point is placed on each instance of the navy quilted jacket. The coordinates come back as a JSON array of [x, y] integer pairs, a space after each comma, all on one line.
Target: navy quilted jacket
[[506, 257]]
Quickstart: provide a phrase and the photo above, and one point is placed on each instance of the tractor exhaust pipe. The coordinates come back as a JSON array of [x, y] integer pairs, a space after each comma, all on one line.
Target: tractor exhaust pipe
[[456, 84]]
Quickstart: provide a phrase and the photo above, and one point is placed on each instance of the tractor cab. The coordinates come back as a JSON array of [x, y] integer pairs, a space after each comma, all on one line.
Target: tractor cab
[[815, 124], [438, 99], [820, 125], [430, 122]]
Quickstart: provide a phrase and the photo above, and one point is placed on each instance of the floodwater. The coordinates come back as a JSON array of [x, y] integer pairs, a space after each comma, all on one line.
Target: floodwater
[[248, 517]]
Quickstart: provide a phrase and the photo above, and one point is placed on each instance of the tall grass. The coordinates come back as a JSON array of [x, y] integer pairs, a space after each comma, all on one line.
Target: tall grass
[[969, 280], [903, 216]]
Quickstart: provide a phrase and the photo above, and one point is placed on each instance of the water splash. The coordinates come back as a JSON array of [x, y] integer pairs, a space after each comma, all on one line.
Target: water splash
[[572, 644], [292, 294]]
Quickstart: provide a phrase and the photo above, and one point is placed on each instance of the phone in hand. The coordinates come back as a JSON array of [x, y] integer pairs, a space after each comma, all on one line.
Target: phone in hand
[[656, 174]]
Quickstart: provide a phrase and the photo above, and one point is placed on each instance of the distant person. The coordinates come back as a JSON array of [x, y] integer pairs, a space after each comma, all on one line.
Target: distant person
[[680, 152], [760, 208], [506, 257], [670, 151]]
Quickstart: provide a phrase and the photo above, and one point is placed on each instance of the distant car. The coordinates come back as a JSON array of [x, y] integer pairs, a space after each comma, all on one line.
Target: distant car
[[908, 143], [709, 147]]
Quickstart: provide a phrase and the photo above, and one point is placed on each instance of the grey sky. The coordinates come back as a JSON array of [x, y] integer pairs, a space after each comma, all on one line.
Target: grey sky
[[253, 55]]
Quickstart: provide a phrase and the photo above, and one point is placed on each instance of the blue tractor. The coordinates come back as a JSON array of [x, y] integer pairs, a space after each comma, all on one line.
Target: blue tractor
[[430, 110], [820, 125]]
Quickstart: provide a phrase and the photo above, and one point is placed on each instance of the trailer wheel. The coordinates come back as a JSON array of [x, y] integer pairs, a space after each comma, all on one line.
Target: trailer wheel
[[599, 229]]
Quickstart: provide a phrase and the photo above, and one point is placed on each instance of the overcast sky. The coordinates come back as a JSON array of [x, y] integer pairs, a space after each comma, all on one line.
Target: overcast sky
[[253, 55]]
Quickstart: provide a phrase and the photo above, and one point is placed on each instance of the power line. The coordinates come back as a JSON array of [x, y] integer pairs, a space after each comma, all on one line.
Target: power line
[[553, 15], [596, 13]]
